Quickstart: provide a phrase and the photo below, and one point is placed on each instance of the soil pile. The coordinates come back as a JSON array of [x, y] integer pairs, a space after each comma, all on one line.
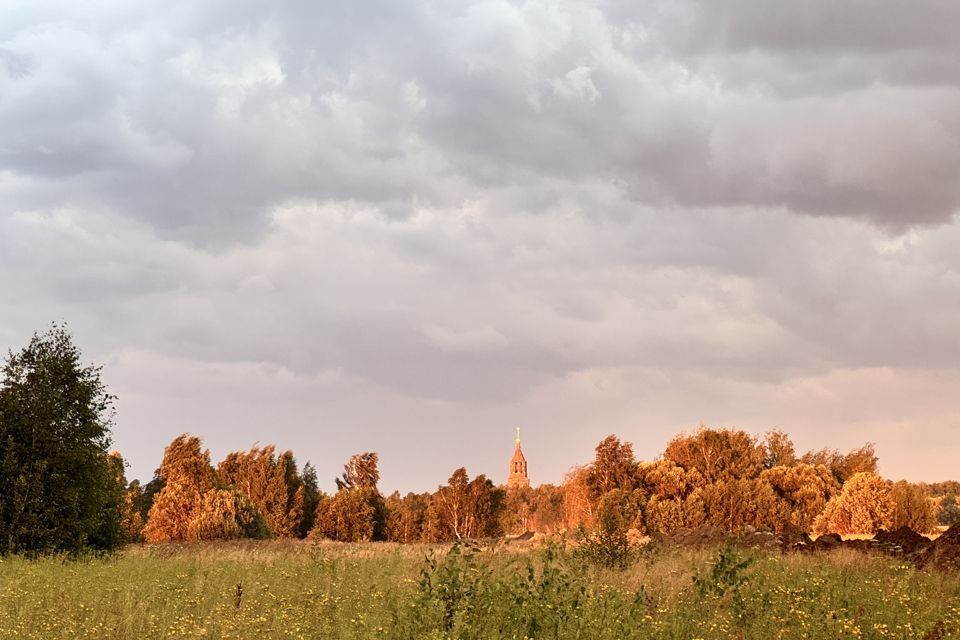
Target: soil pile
[[902, 542], [523, 537], [861, 545], [705, 536], [827, 542], [944, 553], [759, 540], [794, 539]]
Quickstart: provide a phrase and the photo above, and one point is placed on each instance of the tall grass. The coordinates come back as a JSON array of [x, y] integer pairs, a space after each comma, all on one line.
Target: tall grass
[[299, 590]]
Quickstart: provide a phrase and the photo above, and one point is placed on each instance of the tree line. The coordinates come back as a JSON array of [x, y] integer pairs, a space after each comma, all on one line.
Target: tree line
[[64, 490]]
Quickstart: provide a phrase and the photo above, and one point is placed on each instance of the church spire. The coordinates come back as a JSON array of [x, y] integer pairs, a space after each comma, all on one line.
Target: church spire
[[518, 468]]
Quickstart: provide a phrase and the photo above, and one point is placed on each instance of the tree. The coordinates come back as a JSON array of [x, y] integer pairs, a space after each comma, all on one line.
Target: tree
[[311, 498], [943, 489], [357, 511], [912, 508], [577, 499], [406, 516], [844, 466], [779, 450], [272, 484], [132, 518], [734, 503], [620, 510], [59, 490], [150, 491], [129, 526], [360, 472], [464, 508], [613, 467], [717, 453], [862, 460], [804, 490], [517, 514], [949, 511], [667, 479], [664, 514], [864, 506], [532, 509], [349, 516], [548, 516], [193, 505]]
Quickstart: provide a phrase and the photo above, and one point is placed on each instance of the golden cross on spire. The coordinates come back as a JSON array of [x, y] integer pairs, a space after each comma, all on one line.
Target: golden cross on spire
[[518, 435]]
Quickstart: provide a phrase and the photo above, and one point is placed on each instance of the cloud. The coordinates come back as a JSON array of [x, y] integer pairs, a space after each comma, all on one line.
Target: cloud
[[460, 210], [202, 120]]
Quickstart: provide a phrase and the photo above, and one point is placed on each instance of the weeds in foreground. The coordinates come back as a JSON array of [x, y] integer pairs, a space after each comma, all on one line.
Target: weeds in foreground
[[381, 591], [728, 573], [608, 548]]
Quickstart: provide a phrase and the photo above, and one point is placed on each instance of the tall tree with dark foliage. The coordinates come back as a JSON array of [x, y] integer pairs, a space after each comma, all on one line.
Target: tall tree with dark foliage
[[59, 486]]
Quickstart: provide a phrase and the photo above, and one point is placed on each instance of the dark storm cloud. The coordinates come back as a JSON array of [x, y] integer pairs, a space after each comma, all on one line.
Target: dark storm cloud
[[203, 118]]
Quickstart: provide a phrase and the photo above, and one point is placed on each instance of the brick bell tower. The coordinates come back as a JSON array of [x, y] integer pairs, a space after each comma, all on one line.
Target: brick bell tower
[[518, 468]]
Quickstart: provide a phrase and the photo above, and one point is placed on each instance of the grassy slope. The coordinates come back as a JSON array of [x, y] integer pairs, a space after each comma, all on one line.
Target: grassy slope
[[295, 590]]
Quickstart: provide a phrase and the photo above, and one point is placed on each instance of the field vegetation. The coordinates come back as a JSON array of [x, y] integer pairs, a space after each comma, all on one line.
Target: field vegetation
[[266, 590]]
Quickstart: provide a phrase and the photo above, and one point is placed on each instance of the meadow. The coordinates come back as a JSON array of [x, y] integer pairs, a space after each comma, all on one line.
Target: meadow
[[279, 590]]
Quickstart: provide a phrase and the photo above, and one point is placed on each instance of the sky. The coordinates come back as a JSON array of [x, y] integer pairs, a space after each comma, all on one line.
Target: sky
[[411, 227]]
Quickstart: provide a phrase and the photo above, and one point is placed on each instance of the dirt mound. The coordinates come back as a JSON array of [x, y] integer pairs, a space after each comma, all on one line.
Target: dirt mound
[[902, 542], [827, 542], [860, 545], [944, 553], [759, 540], [794, 539], [705, 536]]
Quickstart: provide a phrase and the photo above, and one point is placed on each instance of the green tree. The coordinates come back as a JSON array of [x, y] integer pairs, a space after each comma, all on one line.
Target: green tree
[[618, 511], [59, 485], [150, 491], [949, 511], [311, 498]]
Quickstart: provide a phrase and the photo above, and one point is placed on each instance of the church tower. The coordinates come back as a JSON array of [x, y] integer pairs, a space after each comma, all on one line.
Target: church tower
[[518, 468]]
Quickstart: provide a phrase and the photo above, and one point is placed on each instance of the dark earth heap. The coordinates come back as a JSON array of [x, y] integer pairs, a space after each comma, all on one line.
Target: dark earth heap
[[942, 554]]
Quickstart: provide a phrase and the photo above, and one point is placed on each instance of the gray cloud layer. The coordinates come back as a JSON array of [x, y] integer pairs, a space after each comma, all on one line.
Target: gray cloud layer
[[419, 220]]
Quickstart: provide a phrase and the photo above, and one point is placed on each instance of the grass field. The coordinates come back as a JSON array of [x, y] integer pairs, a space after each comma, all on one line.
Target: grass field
[[297, 590]]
